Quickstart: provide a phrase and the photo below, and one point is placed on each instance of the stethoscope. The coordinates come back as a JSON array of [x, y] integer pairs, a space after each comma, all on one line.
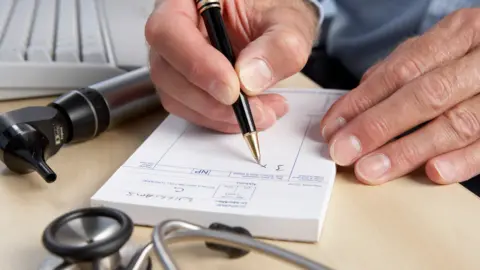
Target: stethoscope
[[99, 238]]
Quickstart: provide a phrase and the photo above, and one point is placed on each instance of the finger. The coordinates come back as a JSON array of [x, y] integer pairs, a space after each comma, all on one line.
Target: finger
[[453, 130], [331, 122], [177, 87], [456, 166], [417, 102], [450, 39], [173, 33], [279, 52], [176, 108], [328, 125]]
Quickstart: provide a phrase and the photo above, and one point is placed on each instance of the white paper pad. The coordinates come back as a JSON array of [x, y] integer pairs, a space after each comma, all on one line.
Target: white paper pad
[[183, 171]]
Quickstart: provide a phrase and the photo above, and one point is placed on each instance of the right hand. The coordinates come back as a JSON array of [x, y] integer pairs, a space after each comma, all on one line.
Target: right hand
[[272, 40]]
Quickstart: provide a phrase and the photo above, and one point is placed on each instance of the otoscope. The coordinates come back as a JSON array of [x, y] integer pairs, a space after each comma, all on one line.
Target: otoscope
[[30, 136]]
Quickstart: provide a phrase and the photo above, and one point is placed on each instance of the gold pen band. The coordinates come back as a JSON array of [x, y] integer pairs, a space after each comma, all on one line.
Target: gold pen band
[[203, 5]]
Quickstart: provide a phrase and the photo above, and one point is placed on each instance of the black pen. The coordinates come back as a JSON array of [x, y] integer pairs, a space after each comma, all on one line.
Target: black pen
[[212, 16]]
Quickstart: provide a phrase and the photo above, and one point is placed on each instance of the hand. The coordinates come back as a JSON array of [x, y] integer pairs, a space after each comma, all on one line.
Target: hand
[[432, 78], [272, 40]]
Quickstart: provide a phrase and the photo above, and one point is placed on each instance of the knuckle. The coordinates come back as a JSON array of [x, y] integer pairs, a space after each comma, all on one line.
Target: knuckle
[[292, 45], [464, 123], [358, 103], [375, 127], [152, 29], [434, 92], [157, 29], [399, 72]]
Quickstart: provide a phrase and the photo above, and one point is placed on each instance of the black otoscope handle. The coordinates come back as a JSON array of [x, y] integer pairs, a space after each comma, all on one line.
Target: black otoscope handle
[[31, 135], [100, 107]]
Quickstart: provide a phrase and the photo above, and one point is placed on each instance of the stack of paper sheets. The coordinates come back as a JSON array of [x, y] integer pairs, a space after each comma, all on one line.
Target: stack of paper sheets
[[186, 172]]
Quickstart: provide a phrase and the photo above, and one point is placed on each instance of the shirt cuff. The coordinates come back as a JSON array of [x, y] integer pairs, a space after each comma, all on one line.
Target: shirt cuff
[[321, 14], [320, 10]]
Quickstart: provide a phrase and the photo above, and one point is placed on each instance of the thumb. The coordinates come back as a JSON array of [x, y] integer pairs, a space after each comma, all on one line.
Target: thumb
[[280, 52]]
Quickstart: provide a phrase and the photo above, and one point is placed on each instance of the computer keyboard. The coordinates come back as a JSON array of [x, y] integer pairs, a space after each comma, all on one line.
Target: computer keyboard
[[48, 47]]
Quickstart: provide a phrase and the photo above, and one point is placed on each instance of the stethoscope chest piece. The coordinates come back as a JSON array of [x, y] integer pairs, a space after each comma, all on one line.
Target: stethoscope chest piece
[[98, 239], [90, 238]]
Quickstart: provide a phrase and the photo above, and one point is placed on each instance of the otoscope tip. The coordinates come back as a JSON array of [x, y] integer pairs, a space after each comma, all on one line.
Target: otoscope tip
[[46, 172]]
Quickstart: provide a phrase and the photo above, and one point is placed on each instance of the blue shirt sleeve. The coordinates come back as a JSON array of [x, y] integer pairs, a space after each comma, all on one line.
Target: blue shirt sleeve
[[364, 32]]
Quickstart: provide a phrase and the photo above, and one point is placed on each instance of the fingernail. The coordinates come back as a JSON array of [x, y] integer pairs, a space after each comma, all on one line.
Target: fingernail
[[446, 170], [221, 92], [373, 167], [332, 127], [255, 75], [344, 150]]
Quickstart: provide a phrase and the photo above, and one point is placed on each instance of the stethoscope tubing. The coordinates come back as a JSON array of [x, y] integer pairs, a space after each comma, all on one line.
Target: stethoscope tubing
[[174, 231], [165, 233]]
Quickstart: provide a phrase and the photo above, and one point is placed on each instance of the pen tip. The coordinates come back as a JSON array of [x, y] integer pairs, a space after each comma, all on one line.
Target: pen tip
[[252, 142]]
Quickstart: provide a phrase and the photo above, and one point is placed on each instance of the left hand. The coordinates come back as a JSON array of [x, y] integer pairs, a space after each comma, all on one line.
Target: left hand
[[434, 77]]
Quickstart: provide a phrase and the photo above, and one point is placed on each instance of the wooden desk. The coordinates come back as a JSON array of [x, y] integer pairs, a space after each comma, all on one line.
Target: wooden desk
[[406, 224]]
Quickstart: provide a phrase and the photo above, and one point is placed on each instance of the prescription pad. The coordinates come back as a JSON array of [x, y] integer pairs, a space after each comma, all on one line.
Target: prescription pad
[[184, 171]]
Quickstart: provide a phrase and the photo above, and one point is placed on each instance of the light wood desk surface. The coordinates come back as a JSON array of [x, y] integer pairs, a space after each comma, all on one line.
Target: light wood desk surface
[[405, 224]]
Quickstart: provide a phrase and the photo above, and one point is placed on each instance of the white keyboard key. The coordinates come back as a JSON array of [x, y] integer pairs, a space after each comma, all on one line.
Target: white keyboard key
[[114, 42], [125, 20], [67, 45], [41, 43], [93, 50], [5, 9], [14, 43]]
